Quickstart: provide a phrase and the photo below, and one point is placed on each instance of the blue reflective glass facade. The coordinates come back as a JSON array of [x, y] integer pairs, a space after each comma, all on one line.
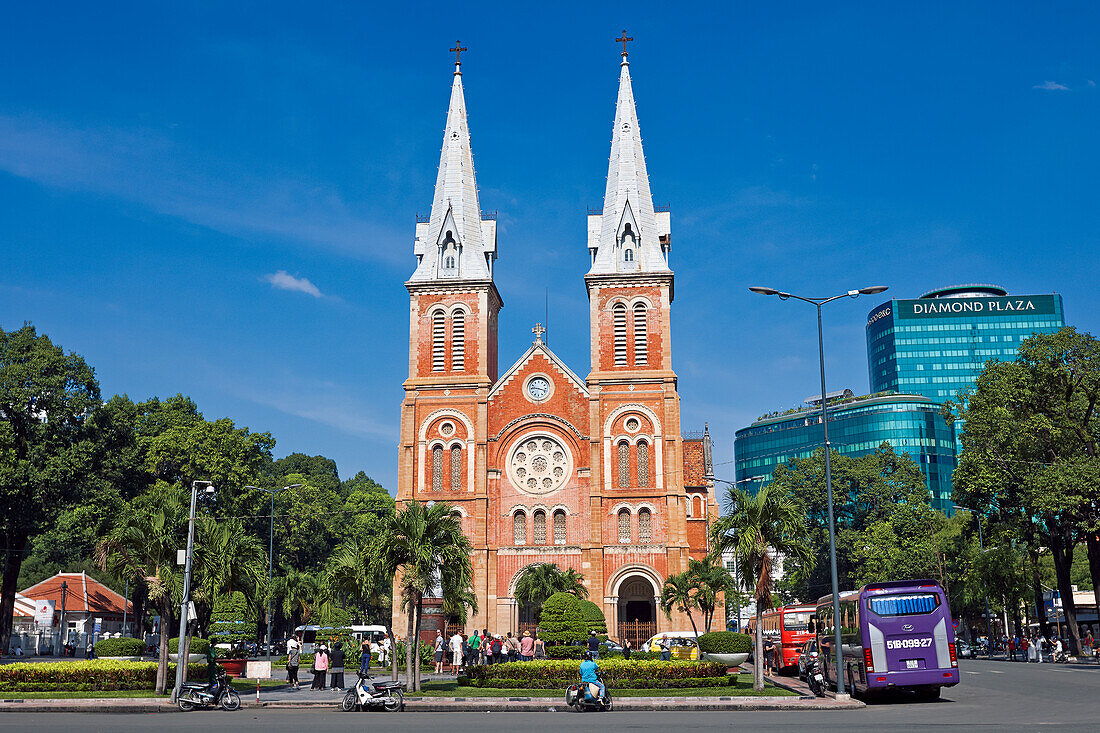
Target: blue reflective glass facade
[[912, 424], [937, 346]]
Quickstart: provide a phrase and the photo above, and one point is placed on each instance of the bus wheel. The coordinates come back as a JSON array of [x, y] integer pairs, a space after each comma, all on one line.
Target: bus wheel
[[929, 693]]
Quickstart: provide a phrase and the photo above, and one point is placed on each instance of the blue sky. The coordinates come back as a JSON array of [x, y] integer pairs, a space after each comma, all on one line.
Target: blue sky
[[166, 174]]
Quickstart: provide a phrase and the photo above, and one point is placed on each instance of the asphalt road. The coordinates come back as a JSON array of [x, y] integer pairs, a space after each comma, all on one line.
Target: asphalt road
[[995, 695]]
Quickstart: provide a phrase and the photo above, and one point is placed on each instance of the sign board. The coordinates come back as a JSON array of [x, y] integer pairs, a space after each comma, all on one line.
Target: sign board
[[43, 613], [181, 557], [258, 670], [1030, 305]]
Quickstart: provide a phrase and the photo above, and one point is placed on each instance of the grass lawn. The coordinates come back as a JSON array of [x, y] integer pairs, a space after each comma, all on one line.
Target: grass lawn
[[65, 695], [743, 689]]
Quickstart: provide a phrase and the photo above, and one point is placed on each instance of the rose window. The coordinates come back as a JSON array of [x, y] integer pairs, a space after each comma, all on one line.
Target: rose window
[[539, 465]]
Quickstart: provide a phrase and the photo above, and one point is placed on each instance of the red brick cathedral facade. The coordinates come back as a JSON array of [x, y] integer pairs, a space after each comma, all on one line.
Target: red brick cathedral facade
[[542, 465]]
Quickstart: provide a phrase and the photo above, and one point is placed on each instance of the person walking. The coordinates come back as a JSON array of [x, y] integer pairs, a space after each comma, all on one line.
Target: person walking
[[293, 660], [627, 648], [456, 652], [593, 645], [320, 668], [438, 652], [526, 647], [364, 656], [1012, 648], [540, 647], [336, 667]]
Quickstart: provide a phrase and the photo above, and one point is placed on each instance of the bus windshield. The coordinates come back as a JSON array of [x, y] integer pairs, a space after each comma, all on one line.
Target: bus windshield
[[797, 620], [903, 604]]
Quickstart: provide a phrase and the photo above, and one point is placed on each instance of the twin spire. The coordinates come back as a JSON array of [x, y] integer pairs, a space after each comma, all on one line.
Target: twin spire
[[628, 237]]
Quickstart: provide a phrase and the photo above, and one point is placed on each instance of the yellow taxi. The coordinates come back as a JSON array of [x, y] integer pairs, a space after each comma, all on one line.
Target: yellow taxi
[[682, 645]]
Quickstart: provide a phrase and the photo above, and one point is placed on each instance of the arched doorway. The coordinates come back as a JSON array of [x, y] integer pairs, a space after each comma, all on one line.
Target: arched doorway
[[637, 610]]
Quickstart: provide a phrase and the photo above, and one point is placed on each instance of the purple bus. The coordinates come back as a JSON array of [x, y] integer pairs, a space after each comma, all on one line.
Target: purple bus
[[894, 635]]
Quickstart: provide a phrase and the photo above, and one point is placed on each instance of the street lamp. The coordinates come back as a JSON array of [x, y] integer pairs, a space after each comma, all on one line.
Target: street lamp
[[181, 662], [737, 596], [817, 303], [981, 548], [271, 553]]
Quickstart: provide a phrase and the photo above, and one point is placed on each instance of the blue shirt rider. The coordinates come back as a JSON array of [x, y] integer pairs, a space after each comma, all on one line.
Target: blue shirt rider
[[590, 675]]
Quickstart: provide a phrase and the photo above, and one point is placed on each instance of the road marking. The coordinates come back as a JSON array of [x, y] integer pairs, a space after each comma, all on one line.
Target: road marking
[[995, 671], [969, 672]]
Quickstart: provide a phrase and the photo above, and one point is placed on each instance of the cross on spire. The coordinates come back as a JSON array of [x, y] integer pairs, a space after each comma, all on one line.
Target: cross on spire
[[621, 40], [457, 51], [538, 330]]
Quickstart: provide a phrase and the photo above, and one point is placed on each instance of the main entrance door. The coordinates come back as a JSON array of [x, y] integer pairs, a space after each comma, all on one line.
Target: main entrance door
[[637, 611]]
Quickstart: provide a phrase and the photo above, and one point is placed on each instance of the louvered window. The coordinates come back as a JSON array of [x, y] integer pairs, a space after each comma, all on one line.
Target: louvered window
[[458, 341], [643, 463], [519, 528], [559, 527], [641, 344], [456, 468], [618, 313], [624, 526], [437, 468], [439, 334], [645, 526], [540, 527], [624, 464]]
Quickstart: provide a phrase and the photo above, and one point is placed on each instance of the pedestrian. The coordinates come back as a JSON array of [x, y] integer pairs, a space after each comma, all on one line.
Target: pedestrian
[[627, 648], [526, 647], [320, 668], [540, 647], [1012, 648], [475, 648], [486, 651], [293, 660], [665, 647], [1056, 654], [456, 652], [593, 645], [336, 667], [511, 647], [496, 647], [1040, 647], [438, 652], [769, 655], [364, 657]]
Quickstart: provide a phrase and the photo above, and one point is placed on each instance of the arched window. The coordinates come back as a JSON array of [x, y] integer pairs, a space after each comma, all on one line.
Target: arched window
[[624, 464], [627, 244], [439, 335], [450, 256], [437, 468], [628, 255], [458, 341], [624, 526], [456, 468], [697, 507], [641, 343], [540, 527], [618, 317], [643, 463], [559, 527], [645, 526], [519, 528]]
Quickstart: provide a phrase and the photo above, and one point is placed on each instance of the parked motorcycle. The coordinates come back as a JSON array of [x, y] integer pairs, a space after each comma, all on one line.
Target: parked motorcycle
[[585, 696], [387, 695], [815, 678], [196, 694]]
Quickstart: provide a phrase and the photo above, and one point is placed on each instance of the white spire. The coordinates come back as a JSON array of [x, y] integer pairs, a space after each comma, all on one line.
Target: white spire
[[627, 236], [455, 243]]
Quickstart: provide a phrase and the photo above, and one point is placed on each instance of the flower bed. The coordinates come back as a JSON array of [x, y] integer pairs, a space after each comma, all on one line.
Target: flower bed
[[614, 672], [94, 674]]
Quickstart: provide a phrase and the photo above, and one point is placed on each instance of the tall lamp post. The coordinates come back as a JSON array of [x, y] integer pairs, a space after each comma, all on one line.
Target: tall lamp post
[[737, 598], [817, 303], [181, 663], [985, 588], [271, 553]]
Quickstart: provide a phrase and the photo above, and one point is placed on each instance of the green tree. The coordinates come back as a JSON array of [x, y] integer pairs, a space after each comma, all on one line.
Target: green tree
[[48, 405], [757, 528], [539, 581], [680, 593], [710, 580], [357, 573], [562, 619], [228, 560], [233, 620]]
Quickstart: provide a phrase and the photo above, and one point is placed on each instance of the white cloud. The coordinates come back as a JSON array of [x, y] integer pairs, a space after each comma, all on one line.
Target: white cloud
[[1052, 86], [283, 280], [1091, 83]]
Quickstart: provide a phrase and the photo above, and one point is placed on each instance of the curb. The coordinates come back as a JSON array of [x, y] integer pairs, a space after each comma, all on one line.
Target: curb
[[557, 705], [88, 705]]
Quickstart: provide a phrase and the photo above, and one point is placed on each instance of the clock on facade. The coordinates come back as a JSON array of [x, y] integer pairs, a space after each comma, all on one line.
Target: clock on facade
[[538, 388]]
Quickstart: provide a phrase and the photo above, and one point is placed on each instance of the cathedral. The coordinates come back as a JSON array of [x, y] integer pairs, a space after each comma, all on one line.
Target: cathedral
[[542, 465]]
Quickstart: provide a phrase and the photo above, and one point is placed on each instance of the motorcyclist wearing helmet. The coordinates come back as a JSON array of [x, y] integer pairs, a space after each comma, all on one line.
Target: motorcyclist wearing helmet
[[590, 674]]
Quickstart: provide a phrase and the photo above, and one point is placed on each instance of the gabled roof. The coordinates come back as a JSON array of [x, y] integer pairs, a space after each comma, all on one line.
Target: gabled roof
[[84, 594], [539, 347]]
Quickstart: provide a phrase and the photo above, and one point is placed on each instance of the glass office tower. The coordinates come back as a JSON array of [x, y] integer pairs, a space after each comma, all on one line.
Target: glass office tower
[[937, 345], [912, 424]]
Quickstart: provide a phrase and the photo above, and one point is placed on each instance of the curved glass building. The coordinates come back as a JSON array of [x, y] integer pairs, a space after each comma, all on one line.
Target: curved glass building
[[912, 424]]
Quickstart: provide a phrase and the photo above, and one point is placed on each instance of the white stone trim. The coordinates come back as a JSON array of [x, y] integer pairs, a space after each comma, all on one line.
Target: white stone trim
[[614, 583], [422, 447]]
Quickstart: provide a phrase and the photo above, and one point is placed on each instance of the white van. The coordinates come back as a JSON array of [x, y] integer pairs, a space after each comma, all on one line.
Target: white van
[[309, 634]]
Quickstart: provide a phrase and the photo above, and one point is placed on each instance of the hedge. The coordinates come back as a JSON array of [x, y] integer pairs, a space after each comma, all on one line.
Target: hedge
[[121, 647], [92, 674], [614, 672], [566, 652], [636, 683], [198, 646], [725, 642], [634, 654]]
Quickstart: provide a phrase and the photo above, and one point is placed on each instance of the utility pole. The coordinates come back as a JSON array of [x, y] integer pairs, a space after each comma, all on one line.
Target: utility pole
[[181, 660]]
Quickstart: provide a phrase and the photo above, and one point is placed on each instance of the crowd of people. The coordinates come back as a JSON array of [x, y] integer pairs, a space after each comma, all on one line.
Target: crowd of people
[[481, 647]]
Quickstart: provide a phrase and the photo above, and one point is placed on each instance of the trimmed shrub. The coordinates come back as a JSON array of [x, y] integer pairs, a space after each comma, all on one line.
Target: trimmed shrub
[[725, 642], [562, 620], [92, 674], [634, 655], [614, 672], [565, 652], [122, 647], [198, 646], [593, 618], [232, 620], [642, 683]]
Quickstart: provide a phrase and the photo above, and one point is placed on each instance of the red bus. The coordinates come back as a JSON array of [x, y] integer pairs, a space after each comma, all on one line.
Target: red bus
[[789, 629]]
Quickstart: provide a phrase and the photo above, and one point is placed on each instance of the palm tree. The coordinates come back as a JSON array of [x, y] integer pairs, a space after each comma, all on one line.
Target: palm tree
[[143, 547], [538, 582], [296, 594], [710, 579], [227, 559], [757, 528], [355, 572], [425, 546], [679, 593]]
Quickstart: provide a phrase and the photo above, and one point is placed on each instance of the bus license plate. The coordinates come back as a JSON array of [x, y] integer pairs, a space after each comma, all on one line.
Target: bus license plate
[[910, 663]]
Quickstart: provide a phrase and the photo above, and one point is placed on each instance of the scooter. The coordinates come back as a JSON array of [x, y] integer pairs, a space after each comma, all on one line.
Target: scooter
[[387, 695], [585, 696], [816, 679], [196, 694]]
